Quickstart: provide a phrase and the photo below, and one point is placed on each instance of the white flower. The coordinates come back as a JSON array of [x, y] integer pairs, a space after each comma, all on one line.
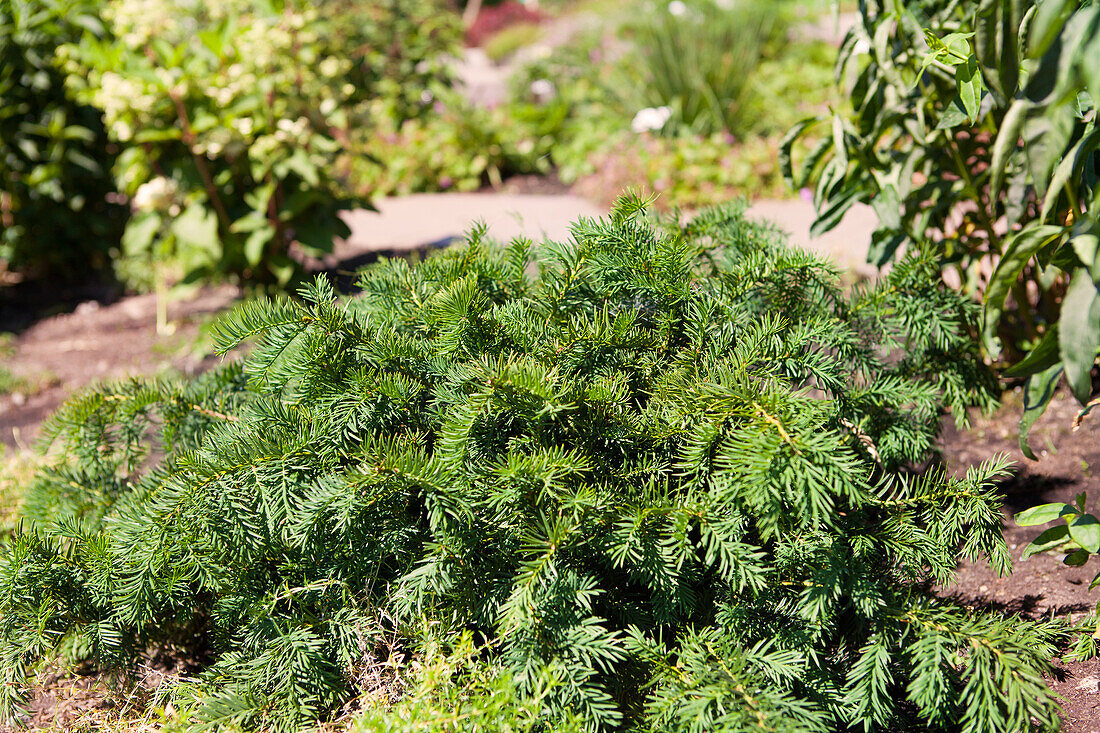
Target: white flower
[[677, 7], [156, 194], [650, 118], [542, 89], [243, 125]]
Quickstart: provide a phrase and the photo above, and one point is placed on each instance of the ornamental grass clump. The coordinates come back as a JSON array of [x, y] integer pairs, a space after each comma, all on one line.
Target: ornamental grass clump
[[657, 477]]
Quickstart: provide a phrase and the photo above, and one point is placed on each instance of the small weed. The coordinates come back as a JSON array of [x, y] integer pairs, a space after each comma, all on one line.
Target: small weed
[[198, 344], [15, 384], [16, 470]]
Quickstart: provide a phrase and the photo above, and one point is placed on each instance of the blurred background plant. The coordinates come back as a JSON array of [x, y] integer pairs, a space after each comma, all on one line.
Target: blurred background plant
[[220, 124], [231, 116], [974, 128], [55, 217], [201, 141], [686, 99], [584, 110], [694, 61]]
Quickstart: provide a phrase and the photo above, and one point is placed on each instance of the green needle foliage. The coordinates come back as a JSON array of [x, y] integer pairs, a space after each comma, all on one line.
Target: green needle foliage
[[653, 478]]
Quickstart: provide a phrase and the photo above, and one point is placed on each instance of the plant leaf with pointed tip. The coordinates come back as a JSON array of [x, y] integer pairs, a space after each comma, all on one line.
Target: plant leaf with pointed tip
[[1076, 559], [1079, 333], [1042, 514], [1038, 393], [1048, 540], [1085, 531]]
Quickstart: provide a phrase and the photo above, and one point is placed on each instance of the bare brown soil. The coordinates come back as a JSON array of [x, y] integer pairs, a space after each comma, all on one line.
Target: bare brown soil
[[1069, 463], [98, 342]]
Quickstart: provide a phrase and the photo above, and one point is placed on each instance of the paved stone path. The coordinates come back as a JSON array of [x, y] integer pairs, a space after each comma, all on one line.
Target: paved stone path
[[425, 221]]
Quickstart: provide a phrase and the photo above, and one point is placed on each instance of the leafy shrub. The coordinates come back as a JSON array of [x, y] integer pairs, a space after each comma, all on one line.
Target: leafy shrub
[[456, 147], [660, 483], [231, 117], [951, 142], [54, 157]]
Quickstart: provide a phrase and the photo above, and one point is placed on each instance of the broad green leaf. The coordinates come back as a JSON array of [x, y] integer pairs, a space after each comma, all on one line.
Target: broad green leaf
[[812, 161], [1037, 395], [299, 162], [1008, 139], [1043, 513], [250, 222], [1089, 62], [954, 115], [139, 233], [1085, 531], [318, 236], [969, 79], [1076, 559], [835, 209], [1087, 247], [831, 178], [1043, 356], [1050, 17], [887, 207], [156, 135], [884, 57], [1048, 540], [196, 231], [1055, 80], [996, 42], [1070, 167], [1018, 252], [884, 243], [786, 145], [1045, 139], [256, 243], [840, 150], [1079, 333]]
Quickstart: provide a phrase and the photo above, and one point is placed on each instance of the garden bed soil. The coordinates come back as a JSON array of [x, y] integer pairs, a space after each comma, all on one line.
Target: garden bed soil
[[1069, 463], [100, 341]]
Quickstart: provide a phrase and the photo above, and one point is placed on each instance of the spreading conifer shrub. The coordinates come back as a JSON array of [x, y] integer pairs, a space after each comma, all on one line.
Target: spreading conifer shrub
[[658, 477]]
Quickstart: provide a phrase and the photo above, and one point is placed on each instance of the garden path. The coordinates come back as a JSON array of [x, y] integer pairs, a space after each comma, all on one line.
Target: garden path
[[426, 221]]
